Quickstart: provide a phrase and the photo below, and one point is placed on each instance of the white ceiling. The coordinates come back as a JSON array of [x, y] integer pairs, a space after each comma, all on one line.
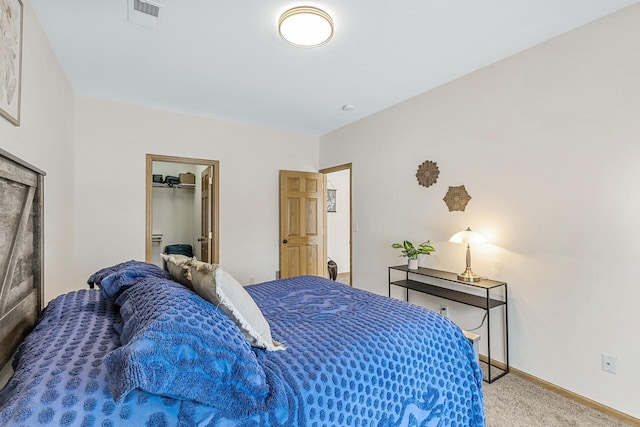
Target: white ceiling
[[224, 58]]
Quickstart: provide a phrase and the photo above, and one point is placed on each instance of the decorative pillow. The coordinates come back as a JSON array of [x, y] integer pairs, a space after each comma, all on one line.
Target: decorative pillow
[[96, 278], [176, 344], [178, 266], [218, 287], [116, 279]]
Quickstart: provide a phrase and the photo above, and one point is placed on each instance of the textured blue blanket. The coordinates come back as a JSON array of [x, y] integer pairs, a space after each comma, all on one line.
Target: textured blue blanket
[[178, 345], [352, 359], [118, 278]]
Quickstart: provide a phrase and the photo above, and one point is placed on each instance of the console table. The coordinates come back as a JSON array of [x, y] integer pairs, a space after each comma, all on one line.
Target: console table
[[484, 298]]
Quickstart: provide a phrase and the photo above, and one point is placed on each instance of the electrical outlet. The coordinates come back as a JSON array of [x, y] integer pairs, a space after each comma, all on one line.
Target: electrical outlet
[[444, 310], [609, 363]]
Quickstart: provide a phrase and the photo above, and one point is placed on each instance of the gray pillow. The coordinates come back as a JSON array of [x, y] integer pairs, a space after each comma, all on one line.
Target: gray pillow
[[178, 266], [221, 289]]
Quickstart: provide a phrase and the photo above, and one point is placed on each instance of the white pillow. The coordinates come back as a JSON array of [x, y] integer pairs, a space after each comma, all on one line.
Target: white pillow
[[178, 266], [218, 287]]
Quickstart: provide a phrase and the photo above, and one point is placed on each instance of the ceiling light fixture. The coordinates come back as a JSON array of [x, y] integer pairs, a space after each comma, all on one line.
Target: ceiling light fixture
[[306, 26]]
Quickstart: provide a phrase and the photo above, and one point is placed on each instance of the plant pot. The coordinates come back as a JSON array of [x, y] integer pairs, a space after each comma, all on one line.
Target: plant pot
[[413, 263]]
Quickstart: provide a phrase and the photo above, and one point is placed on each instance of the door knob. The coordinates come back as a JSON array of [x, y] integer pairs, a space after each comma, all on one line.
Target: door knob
[[202, 239], [285, 241]]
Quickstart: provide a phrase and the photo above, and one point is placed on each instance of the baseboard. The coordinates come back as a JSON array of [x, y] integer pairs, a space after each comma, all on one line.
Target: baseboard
[[568, 394]]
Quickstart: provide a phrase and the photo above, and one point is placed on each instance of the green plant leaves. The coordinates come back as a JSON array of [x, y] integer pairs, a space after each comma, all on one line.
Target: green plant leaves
[[410, 251]]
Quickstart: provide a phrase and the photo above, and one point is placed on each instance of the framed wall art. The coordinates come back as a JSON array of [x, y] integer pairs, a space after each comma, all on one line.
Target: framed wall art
[[11, 12], [331, 200]]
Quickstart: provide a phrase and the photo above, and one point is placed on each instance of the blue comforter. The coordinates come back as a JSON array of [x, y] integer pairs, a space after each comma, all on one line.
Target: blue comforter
[[353, 359]]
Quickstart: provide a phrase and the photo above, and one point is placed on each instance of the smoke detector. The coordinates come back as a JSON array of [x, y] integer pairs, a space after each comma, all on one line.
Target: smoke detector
[[145, 12]]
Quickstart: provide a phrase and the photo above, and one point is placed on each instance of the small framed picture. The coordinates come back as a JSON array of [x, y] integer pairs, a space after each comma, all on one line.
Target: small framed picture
[[10, 59], [331, 200]]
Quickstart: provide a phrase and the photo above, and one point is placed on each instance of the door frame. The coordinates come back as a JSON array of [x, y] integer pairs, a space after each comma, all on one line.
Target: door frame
[[215, 164], [206, 214], [338, 168]]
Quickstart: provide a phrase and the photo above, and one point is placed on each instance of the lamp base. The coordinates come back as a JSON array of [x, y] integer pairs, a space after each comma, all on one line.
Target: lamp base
[[469, 276]]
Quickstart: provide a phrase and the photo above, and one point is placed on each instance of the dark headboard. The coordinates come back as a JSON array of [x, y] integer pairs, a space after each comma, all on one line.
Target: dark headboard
[[21, 251]]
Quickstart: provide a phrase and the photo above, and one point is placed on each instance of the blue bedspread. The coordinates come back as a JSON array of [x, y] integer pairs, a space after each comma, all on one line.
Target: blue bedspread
[[352, 359]]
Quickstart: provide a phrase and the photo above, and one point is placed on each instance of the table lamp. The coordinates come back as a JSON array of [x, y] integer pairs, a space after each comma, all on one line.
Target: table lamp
[[469, 237]]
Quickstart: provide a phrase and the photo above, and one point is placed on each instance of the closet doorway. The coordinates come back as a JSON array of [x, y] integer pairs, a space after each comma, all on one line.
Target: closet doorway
[[182, 207], [339, 221]]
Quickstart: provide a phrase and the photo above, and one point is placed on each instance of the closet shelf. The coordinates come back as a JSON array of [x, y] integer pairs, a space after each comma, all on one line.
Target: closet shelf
[[184, 186]]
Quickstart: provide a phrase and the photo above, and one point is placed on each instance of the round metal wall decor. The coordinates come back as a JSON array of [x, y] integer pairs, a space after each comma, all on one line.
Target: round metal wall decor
[[428, 173], [457, 198]]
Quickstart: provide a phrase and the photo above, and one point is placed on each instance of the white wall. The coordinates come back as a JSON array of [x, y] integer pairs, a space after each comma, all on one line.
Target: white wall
[[338, 221], [45, 139], [546, 143], [110, 146]]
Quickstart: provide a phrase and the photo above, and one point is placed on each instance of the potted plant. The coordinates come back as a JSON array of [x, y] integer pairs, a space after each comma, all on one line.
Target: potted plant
[[412, 252]]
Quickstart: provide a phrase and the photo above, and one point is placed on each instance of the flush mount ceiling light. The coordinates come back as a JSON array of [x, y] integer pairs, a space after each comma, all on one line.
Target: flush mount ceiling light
[[306, 26]]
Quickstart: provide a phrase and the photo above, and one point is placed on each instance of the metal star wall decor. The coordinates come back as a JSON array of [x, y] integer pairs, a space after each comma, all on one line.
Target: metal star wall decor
[[428, 173], [457, 198]]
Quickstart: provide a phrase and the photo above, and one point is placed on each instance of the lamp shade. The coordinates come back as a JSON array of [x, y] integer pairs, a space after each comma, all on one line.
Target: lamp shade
[[306, 26], [468, 237]]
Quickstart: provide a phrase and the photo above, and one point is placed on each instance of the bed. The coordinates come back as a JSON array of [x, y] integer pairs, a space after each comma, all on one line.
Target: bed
[[149, 347]]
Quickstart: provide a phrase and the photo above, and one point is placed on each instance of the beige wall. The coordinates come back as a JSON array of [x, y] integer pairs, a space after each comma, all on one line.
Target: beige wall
[[110, 146], [547, 144], [45, 139]]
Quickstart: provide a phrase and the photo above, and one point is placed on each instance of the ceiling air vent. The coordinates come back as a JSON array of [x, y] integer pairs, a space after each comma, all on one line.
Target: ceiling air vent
[[146, 13], [147, 8]]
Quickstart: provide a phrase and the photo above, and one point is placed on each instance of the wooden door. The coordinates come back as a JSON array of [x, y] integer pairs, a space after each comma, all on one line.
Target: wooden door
[[206, 216], [303, 198]]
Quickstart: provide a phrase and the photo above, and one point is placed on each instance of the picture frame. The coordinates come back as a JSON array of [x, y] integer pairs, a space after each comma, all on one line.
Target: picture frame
[[11, 20], [331, 200]]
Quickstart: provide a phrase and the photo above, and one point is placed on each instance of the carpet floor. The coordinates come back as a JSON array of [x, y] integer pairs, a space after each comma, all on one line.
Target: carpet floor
[[343, 278], [513, 401]]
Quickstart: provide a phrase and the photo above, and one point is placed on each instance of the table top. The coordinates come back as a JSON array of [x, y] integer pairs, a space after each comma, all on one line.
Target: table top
[[449, 276]]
